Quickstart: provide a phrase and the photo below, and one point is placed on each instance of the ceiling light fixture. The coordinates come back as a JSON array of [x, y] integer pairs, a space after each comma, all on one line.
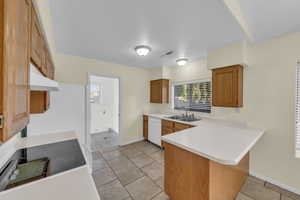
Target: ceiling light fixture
[[142, 50], [182, 61]]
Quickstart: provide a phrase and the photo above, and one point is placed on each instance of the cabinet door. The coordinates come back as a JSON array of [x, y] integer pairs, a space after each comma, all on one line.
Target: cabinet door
[[15, 67], [37, 43], [180, 127], [145, 127], [39, 101], [228, 86], [155, 91]]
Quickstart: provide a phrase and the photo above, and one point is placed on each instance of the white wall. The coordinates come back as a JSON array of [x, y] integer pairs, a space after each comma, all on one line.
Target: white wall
[[134, 89], [105, 111], [66, 113]]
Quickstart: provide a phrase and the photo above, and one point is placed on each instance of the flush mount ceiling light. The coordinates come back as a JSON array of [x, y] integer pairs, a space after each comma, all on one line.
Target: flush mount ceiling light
[[182, 61], [142, 50]]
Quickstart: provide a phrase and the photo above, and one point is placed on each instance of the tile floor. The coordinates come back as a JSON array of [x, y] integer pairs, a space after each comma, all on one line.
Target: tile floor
[[135, 172]]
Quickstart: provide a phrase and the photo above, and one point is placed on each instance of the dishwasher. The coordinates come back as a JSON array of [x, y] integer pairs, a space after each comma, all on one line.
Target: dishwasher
[[154, 126]]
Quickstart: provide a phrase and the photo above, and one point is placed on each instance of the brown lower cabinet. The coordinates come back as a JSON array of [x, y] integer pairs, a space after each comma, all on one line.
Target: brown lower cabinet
[[168, 127], [190, 176], [145, 127], [39, 101]]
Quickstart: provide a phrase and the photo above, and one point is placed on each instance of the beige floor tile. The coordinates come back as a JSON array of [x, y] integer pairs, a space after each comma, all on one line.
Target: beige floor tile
[[127, 176], [154, 170], [142, 160], [143, 189], [99, 164], [256, 180], [108, 149], [286, 198], [111, 155], [103, 176], [259, 192], [131, 152], [96, 155], [160, 182], [241, 196], [150, 149], [141, 144], [113, 191], [158, 156], [161, 196], [282, 191], [120, 163]]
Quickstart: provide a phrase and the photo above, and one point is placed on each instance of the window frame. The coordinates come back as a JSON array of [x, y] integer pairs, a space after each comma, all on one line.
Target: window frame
[[190, 82]]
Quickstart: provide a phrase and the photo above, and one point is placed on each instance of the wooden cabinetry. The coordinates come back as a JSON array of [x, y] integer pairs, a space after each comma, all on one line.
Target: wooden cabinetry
[[39, 101], [41, 58], [15, 17], [227, 85], [159, 91], [145, 127], [193, 177], [37, 42], [168, 127]]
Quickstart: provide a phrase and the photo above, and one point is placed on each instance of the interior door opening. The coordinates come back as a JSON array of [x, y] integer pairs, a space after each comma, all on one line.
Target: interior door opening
[[103, 112]]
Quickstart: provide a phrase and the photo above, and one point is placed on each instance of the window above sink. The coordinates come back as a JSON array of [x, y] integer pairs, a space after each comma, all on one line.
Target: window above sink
[[192, 96]]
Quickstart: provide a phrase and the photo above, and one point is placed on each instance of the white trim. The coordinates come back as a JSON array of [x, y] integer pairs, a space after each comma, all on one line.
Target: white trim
[[283, 186], [133, 141], [192, 81]]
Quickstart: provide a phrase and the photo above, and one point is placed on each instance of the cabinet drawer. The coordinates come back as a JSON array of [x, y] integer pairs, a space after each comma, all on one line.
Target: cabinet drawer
[[179, 126], [166, 131], [167, 124]]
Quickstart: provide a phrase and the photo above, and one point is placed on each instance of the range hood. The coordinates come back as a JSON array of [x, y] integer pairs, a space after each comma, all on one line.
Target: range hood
[[38, 82]]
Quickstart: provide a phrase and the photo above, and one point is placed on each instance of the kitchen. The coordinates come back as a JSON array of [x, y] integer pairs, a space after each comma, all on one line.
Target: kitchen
[[257, 115]]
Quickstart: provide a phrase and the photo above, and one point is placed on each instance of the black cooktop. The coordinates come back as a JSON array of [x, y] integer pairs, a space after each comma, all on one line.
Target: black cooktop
[[50, 159]]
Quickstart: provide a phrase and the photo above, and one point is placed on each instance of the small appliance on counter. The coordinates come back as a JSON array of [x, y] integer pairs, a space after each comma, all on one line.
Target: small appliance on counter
[[34, 163]]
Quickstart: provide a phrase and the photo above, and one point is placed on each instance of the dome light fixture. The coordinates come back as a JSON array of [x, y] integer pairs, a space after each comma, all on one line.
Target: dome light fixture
[[182, 61], [142, 50]]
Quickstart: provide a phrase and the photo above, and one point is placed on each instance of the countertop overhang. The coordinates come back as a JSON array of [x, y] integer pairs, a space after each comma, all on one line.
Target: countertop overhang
[[217, 140]]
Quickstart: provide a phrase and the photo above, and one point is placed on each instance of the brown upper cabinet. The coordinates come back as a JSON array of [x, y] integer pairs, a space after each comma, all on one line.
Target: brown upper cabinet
[[227, 83], [15, 18], [159, 91], [37, 43], [41, 58]]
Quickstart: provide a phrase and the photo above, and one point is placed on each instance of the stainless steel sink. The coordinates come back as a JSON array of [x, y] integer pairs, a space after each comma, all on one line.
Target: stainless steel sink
[[185, 118]]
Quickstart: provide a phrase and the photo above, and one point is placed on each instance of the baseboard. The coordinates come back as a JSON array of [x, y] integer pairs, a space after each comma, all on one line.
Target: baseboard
[[132, 141], [283, 186]]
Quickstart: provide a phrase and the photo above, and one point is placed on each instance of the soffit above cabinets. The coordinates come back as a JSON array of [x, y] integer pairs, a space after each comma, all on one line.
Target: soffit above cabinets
[[109, 30]]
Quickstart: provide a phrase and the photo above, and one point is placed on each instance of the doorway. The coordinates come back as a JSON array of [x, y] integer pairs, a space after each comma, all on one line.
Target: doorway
[[103, 112]]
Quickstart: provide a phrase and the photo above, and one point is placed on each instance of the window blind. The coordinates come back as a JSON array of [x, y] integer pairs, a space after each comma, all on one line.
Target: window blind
[[194, 96], [298, 107]]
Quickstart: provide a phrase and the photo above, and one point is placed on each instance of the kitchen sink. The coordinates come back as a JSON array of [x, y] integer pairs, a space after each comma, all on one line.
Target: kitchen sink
[[185, 118]]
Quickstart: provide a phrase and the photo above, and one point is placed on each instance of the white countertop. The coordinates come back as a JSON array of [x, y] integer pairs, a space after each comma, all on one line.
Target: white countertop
[[218, 140], [75, 184]]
